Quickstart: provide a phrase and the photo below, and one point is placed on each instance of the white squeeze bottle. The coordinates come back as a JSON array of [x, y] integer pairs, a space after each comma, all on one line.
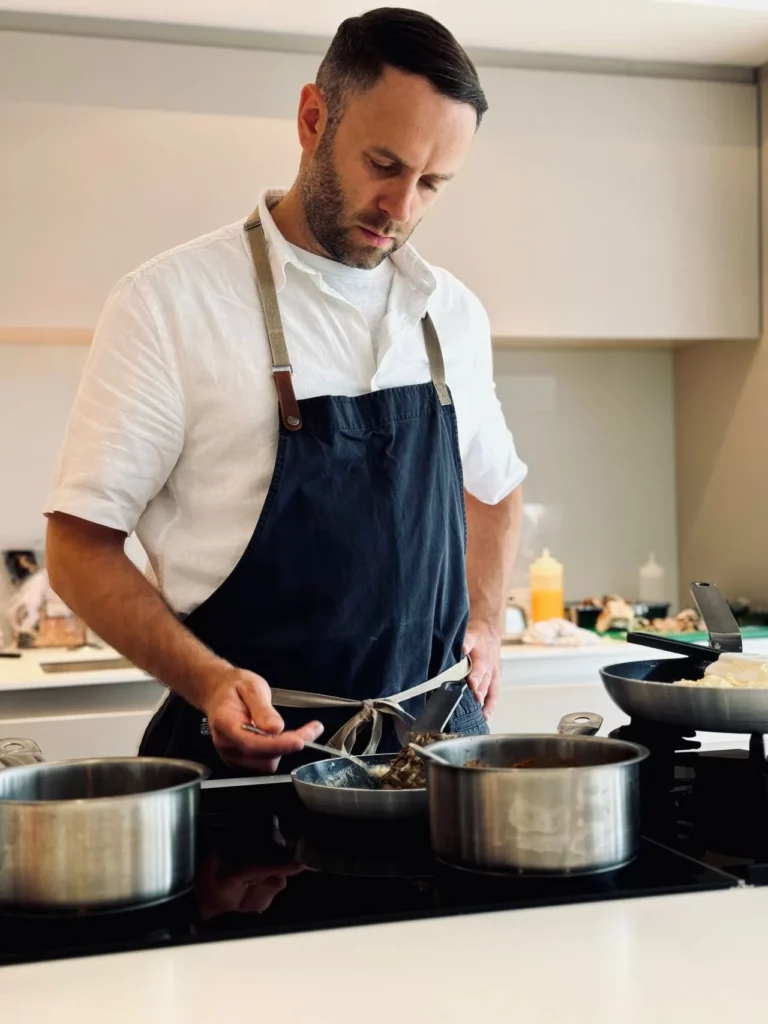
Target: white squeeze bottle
[[652, 582]]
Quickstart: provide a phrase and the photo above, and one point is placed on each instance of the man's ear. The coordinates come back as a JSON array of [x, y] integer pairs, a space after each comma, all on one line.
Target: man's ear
[[312, 118]]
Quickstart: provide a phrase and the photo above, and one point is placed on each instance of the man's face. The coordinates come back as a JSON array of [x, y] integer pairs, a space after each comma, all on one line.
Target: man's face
[[365, 186]]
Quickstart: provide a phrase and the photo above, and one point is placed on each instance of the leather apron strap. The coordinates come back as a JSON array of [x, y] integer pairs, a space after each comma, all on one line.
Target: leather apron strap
[[282, 371], [368, 711]]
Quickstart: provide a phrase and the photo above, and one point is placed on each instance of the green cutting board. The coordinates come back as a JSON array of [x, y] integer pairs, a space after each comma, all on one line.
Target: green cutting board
[[747, 632]]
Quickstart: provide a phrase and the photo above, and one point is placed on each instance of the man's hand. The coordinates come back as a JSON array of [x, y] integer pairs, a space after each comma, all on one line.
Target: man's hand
[[238, 698], [483, 645]]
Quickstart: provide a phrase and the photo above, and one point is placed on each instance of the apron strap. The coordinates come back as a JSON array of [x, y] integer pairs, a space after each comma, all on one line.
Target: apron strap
[[282, 371], [435, 357], [369, 711]]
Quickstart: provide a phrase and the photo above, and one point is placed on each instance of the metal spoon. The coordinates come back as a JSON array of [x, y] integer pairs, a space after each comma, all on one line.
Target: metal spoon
[[426, 755], [363, 778]]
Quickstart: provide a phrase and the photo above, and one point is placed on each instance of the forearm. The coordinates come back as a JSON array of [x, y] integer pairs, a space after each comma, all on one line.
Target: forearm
[[90, 571], [493, 533]]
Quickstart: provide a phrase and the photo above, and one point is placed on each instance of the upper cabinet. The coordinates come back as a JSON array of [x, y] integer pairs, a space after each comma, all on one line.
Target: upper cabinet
[[598, 207], [591, 206]]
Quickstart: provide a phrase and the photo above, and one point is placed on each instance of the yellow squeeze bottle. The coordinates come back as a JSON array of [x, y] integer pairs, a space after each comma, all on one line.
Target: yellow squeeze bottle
[[546, 575]]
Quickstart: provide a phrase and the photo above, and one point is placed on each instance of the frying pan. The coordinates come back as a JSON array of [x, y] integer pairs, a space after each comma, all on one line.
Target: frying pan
[[329, 786], [644, 690]]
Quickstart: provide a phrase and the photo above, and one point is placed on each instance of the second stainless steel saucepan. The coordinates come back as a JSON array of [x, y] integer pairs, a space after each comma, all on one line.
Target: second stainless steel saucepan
[[96, 834], [646, 690], [575, 813]]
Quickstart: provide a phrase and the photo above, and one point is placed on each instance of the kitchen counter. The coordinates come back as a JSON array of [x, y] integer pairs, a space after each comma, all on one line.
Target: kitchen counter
[[27, 672], [90, 710], [102, 711], [665, 959]]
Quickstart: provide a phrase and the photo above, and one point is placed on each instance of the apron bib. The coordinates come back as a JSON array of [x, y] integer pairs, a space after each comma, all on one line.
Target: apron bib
[[352, 589]]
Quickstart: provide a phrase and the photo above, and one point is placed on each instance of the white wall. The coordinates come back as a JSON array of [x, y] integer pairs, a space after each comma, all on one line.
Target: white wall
[[596, 429], [38, 384], [185, 137], [591, 206]]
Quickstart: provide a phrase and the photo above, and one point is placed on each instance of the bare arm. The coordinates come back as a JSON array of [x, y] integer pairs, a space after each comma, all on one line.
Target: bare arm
[[493, 532], [90, 571]]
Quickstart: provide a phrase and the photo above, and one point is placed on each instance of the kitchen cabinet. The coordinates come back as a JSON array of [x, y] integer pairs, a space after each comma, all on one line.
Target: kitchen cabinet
[[608, 207], [592, 207], [89, 710]]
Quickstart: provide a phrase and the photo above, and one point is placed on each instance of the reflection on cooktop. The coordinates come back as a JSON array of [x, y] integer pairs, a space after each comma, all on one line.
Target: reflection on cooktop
[[268, 866]]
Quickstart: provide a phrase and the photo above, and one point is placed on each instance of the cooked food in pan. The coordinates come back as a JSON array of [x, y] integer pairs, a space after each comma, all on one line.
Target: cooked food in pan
[[733, 671], [407, 770]]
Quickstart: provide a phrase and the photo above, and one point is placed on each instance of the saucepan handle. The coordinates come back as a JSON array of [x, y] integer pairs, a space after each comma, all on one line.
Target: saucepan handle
[[580, 723], [15, 752]]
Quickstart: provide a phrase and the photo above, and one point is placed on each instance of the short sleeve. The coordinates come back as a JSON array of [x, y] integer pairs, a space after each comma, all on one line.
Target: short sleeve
[[126, 429], [491, 465]]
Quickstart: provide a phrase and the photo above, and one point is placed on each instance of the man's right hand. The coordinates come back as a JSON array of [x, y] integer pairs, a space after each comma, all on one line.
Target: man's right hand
[[238, 698]]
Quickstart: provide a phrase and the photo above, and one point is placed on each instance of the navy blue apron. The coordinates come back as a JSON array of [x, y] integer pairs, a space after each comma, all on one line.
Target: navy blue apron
[[353, 583]]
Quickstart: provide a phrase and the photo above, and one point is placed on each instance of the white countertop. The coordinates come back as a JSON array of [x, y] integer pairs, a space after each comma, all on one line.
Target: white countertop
[[602, 649], [665, 959], [26, 672]]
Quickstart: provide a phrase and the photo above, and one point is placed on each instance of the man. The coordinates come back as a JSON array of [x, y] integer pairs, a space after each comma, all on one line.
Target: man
[[287, 412]]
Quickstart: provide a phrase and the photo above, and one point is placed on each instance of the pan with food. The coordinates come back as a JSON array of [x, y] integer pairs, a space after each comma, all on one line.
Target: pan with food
[[330, 786], [711, 688]]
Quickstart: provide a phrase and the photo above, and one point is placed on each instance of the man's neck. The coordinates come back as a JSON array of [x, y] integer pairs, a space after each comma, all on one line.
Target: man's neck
[[290, 221]]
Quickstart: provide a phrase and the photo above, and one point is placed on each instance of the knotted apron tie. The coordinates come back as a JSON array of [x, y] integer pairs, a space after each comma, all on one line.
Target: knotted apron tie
[[370, 711]]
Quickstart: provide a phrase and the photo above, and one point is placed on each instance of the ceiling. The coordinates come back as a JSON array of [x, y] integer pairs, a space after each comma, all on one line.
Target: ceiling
[[689, 31]]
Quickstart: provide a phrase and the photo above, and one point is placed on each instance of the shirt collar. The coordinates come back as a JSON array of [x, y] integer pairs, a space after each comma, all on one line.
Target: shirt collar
[[408, 262]]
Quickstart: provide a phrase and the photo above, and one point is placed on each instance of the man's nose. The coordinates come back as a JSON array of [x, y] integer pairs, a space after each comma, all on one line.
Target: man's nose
[[397, 201]]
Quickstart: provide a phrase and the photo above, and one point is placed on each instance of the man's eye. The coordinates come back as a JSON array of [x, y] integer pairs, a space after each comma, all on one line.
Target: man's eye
[[430, 185], [378, 166]]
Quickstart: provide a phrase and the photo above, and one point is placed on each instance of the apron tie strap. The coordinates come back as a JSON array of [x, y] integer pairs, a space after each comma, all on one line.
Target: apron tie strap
[[369, 711]]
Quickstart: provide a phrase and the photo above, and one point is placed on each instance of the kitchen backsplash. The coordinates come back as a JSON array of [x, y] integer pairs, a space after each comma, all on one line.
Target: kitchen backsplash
[[595, 428]]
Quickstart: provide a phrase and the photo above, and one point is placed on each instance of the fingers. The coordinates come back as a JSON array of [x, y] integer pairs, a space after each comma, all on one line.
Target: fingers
[[249, 700], [241, 749], [256, 696], [479, 679], [491, 696]]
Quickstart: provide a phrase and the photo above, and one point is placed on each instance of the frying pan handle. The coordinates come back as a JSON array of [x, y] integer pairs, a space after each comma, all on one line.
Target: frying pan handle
[[723, 629], [580, 723], [14, 752], [663, 643]]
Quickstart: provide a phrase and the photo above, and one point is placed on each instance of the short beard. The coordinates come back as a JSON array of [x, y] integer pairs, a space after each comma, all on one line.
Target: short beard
[[324, 207]]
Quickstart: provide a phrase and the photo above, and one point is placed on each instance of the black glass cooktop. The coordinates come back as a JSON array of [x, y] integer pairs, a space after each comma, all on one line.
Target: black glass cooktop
[[268, 866]]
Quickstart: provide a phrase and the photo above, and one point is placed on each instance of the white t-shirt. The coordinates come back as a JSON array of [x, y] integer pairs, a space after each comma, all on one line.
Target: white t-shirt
[[174, 430], [367, 291]]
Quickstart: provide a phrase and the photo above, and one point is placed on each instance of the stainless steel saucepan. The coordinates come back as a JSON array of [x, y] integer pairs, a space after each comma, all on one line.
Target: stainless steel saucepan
[[573, 809], [645, 690], [96, 834]]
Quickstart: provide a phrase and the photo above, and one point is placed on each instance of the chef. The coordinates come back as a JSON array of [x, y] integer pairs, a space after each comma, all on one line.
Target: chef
[[296, 415]]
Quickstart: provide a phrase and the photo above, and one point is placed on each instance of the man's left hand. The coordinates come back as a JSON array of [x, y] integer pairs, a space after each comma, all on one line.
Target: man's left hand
[[483, 645]]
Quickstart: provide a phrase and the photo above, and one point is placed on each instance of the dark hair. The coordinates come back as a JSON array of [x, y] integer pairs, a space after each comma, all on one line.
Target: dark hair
[[407, 40]]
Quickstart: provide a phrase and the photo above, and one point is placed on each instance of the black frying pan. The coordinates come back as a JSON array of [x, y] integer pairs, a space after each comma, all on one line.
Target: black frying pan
[[644, 690]]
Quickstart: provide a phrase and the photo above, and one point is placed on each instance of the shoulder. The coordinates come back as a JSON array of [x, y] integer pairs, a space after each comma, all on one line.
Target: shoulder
[[192, 262]]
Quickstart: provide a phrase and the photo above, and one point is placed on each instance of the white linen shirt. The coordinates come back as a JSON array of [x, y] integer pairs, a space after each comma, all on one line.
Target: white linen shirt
[[174, 429]]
